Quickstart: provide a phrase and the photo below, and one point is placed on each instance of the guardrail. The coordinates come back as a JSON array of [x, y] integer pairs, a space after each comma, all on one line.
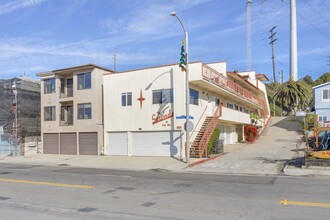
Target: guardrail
[[222, 81]]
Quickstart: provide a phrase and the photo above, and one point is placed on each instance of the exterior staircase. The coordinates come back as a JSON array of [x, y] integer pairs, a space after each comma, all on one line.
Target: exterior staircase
[[198, 148]]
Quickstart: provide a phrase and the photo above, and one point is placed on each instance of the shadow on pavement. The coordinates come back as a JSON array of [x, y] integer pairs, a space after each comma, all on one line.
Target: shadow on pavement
[[289, 123]]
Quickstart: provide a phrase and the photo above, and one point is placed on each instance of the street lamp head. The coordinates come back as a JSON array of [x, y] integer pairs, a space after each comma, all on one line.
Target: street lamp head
[[173, 13]]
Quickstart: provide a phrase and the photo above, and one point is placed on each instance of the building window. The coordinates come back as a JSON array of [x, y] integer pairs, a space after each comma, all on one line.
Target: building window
[[49, 86], [126, 99], [229, 105], [323, 118], [326, 94], [162, 96], [217, 102], [194, 95], [85, 111], [84, 81], [49, 113]]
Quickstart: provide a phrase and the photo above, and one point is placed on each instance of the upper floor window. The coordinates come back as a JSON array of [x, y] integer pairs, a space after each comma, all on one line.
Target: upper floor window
[[85, 111], [49, 86], [126, 99], [217, 102], [194, 95], [229, 105], [49, 113], [162, 96], [326, 94], [84, 81]]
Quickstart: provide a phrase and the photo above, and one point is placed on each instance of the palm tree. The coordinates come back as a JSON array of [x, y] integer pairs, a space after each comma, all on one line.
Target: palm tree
[[293, 94]]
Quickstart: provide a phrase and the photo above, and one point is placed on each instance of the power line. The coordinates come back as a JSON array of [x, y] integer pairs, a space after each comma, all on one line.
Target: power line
[[311, 24], [325, 5], [319, 14]]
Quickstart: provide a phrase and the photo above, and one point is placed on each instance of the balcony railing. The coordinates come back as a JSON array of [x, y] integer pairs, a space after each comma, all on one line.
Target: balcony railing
[[229, 85], [66, 92]]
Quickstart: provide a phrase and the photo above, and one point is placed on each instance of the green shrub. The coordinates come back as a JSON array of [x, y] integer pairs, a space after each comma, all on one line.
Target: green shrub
[[214, 137]]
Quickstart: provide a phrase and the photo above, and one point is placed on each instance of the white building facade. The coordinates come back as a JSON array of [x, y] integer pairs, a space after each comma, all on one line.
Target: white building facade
[[144, 110]]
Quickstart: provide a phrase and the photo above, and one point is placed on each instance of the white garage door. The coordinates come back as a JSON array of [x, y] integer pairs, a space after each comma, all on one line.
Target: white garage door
[[159, 143], [117, 143]]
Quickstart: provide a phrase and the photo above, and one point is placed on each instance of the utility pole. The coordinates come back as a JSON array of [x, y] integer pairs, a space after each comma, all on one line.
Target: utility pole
[[114, 60], [248, 32], [272, 40], [293, 41], [14, 111]]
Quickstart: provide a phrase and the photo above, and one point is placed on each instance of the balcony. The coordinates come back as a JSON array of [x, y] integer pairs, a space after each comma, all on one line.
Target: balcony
[[66, 116], [234, 116], [66, 88], [228, 88]]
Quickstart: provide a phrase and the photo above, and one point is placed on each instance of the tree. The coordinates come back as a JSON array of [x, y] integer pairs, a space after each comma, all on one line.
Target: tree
[[322, 79], [294, 95], [308, 79]]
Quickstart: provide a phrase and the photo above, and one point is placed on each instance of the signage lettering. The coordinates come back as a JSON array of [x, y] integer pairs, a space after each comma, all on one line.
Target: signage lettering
[[158, 118]]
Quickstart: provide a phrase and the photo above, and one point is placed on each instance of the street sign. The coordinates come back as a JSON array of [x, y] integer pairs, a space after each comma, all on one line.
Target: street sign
[[190, 126], [183, 117]]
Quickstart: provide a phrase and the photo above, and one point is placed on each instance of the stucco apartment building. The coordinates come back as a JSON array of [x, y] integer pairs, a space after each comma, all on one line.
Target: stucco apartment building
[[72, 110], [144, 110]]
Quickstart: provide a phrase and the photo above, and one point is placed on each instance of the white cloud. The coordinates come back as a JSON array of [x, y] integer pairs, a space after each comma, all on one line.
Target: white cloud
[[18, 4]]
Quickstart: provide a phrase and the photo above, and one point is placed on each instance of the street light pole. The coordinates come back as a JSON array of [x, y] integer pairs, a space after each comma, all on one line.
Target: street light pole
[[14, 89], [187, 89]]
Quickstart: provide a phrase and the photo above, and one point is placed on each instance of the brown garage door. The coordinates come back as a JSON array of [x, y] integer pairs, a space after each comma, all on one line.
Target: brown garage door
[[68, 143], [50, 143], [88, 143]]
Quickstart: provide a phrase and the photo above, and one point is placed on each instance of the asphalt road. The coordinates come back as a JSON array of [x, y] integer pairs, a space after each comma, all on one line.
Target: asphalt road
[[38, 192]]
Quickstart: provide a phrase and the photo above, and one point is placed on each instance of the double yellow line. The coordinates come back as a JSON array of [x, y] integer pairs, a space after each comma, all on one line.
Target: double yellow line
[[311, 204], [46, 183]]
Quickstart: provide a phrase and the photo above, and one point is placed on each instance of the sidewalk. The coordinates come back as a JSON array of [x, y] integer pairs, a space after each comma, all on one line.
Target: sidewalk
[[102, 162], [275, 153]]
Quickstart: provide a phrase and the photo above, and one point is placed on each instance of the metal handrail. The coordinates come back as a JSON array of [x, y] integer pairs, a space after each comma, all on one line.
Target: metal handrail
[[230, 85], [198, 122]]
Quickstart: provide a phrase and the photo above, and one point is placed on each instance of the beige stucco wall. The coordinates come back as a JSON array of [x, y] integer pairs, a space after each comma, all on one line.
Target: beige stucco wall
[[92, 95]]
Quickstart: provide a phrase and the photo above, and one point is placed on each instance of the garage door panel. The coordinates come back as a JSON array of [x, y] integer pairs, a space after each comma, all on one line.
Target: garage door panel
[[68, 143], [88, 143], [156, 143], [51, 144], [118, 143]]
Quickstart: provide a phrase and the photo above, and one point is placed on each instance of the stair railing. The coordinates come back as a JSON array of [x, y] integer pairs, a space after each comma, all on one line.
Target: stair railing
[[199, 120], [208, 133]]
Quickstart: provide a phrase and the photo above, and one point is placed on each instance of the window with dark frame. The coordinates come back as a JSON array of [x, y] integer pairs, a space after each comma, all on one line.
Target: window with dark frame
[[84, 81], [194, 96], [85, 111], [49, 86], [126, 99], [217, 102], [162, 96], [49, 113]]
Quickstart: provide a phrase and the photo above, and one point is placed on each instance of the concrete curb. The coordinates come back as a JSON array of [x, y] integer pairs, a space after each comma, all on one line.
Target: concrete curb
[[204, 160], [310, 171]]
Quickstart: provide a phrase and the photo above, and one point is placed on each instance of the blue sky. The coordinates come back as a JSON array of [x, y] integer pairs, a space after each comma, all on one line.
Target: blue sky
[[43, 35]]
